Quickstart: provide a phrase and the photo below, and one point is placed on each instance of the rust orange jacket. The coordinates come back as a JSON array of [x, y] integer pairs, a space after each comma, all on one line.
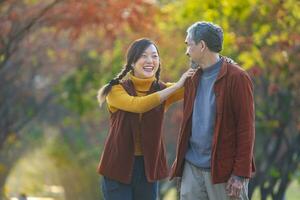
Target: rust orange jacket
[[234, 131], [118, 155]]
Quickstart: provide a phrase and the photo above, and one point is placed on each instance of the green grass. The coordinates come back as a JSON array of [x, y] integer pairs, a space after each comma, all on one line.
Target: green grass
[[293, 192]]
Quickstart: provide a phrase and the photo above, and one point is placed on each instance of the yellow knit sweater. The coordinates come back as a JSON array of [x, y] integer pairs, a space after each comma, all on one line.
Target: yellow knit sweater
[[118, 98]]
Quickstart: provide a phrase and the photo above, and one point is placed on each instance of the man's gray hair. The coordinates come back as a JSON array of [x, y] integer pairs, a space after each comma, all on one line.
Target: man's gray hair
[[210, 33]]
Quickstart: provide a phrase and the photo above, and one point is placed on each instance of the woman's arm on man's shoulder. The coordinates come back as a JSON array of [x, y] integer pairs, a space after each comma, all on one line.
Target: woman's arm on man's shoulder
[[176, 96]]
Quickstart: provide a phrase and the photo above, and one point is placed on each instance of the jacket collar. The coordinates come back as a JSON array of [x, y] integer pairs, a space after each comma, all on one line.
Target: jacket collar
[[193, 82], [195, 78], [223, 69]]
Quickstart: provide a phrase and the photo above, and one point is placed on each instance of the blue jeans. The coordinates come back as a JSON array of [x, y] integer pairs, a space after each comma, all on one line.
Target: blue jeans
[[138, 189]]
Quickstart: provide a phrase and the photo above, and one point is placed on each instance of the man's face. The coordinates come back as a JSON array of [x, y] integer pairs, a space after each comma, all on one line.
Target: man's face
[[193, 50]]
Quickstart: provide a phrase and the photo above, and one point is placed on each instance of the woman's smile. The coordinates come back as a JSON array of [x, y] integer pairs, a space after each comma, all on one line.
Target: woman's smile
[[148, 68]]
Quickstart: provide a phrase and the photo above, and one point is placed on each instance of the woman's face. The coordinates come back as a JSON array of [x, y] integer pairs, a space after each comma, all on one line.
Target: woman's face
[[147, 65]]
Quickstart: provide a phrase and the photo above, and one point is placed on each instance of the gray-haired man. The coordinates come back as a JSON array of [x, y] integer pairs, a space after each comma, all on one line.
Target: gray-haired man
[[215, 146]]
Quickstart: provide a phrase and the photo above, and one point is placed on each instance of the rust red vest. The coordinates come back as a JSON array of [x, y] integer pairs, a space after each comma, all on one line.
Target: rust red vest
[[118, 155]]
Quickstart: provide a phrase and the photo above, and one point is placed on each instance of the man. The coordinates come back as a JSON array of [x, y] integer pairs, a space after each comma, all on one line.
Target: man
[[215, 144]]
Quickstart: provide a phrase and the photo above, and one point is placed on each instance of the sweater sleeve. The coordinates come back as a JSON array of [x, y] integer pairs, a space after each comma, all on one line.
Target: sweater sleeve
[[118, 98], [176, 96]]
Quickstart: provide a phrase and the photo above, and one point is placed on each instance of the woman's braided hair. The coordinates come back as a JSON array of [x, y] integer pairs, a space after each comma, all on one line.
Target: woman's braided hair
[[134, 52]]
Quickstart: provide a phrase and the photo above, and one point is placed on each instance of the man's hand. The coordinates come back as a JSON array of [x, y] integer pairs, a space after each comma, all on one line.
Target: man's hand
[[234, 186]]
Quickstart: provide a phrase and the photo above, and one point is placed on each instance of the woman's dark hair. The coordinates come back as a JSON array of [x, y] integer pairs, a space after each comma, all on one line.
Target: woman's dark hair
[[134, 52]]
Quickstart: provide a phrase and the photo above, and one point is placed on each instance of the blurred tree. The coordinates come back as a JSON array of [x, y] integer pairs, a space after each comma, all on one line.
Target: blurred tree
[[264, 37], [19, 19], [36, 50]]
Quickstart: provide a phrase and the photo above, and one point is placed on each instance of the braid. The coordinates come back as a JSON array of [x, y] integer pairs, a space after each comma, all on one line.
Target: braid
[[123, 73], [157, 76], [102, 93]]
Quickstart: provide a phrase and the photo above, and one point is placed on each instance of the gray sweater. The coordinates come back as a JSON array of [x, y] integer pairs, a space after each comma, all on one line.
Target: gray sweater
[[203, 119]]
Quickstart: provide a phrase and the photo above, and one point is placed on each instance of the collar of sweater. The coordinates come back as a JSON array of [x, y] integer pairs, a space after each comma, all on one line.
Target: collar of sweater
[[141, 84]]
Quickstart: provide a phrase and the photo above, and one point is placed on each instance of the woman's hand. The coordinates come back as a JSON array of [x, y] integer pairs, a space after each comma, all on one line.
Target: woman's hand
[[190, 72], [165, 93]]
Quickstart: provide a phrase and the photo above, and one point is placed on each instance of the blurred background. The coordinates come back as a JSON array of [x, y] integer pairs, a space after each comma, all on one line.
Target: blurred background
[[56, 54]]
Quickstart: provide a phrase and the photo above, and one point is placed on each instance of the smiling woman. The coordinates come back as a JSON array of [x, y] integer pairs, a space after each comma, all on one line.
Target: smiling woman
[[148, 64], [134, 160]]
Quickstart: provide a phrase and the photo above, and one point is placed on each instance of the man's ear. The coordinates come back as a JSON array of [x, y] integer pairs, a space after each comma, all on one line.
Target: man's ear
[[203, 45]]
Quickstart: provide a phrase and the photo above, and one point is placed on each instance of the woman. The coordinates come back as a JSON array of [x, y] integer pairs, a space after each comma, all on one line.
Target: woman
[[134, 158]]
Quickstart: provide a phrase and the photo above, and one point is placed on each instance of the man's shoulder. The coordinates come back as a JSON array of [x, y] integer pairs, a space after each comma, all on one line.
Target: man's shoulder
[[236, 73], [234, 69]]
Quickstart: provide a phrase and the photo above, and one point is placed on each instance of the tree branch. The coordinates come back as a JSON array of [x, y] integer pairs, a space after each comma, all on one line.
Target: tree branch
[[15, 39]]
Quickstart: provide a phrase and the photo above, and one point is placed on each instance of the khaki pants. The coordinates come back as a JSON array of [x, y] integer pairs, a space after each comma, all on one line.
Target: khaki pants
[[196, 185]]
